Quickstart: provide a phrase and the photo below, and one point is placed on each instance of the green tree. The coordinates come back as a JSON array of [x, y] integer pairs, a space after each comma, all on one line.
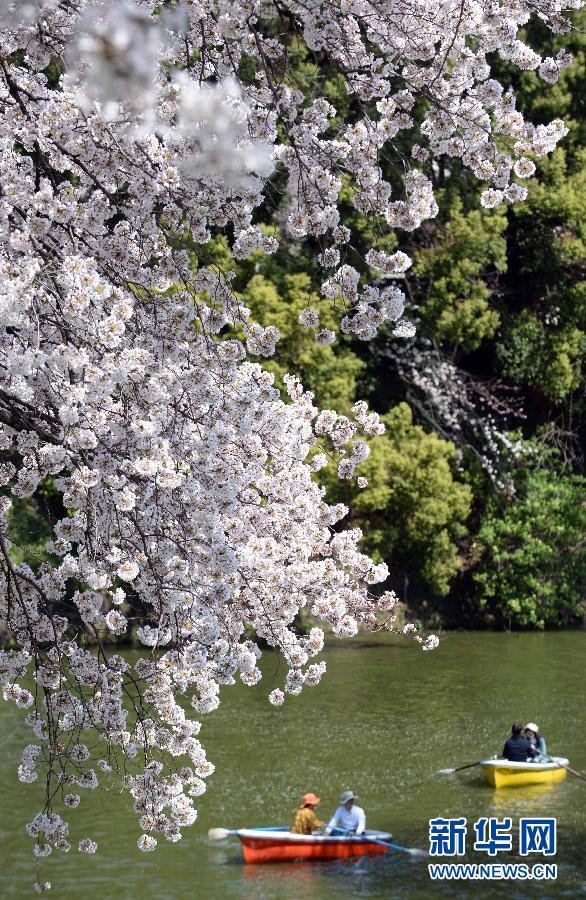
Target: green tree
[[549, 360], [531, 570], [330, 371], [454, 274], [544, 320], [414, 510], [544, 343]]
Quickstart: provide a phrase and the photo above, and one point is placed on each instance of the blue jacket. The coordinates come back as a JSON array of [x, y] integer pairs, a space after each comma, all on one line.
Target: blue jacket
[[540, 749]]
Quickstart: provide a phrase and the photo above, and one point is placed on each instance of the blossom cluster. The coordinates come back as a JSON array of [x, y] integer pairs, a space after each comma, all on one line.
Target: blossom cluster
[[128, 136], [464, 409], [168, 78]]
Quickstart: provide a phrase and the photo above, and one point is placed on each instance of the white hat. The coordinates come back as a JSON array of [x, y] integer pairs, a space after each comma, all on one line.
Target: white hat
[[531, 726]]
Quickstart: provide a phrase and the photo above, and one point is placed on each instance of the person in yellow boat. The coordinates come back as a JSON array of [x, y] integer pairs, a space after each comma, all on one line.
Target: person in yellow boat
[[537, 741], [517, 748], [306, 821]]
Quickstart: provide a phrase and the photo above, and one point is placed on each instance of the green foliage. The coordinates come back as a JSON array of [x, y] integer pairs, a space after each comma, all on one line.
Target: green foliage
[[453, 275], [547, 359], [532, 566], [413, 511], [29, 529], [328, 371], [545, 347], [544, 341]]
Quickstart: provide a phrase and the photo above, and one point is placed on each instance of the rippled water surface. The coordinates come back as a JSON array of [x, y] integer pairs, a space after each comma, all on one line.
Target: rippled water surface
[[383, 721]]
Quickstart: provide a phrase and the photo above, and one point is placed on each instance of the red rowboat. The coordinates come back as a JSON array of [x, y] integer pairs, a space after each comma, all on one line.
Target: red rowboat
[[261, 845]]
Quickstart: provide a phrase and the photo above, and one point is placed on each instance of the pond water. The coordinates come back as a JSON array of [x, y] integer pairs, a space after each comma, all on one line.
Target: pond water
[[385, 719]]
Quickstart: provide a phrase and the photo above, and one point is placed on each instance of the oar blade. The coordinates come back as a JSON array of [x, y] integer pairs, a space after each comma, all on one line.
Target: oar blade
[[416, 853], [446, 771], [577, 774], [218, 834]]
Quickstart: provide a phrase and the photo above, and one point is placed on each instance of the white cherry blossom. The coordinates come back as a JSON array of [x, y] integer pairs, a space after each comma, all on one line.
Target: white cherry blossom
[[130, 370]]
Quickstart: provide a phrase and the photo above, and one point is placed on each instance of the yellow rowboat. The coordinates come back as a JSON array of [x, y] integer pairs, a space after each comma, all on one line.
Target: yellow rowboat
[[502, 773]]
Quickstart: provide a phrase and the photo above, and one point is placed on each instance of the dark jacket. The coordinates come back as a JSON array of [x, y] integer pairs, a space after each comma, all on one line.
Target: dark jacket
[[518, 749]]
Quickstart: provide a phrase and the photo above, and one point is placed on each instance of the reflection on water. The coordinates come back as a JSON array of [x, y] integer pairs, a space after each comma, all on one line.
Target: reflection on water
[[313, 880], [382, 723], [527, 796], [302, 878]]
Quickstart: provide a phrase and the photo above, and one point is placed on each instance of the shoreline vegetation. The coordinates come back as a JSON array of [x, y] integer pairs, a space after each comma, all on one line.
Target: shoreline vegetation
[[527, 567]]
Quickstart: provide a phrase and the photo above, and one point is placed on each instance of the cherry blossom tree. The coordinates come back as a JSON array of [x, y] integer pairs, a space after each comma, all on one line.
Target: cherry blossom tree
[[131, 134]]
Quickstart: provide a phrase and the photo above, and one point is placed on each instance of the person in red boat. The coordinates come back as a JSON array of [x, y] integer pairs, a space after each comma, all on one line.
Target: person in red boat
[[348, 816], [306, 821]]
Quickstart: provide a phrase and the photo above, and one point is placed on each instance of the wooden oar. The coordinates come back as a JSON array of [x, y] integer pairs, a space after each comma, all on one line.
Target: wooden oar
[[562, 766], [459, 768], [412, 851]]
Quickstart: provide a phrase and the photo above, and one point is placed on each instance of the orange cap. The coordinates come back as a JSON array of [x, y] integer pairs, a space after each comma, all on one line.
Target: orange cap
[[308, 799]]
